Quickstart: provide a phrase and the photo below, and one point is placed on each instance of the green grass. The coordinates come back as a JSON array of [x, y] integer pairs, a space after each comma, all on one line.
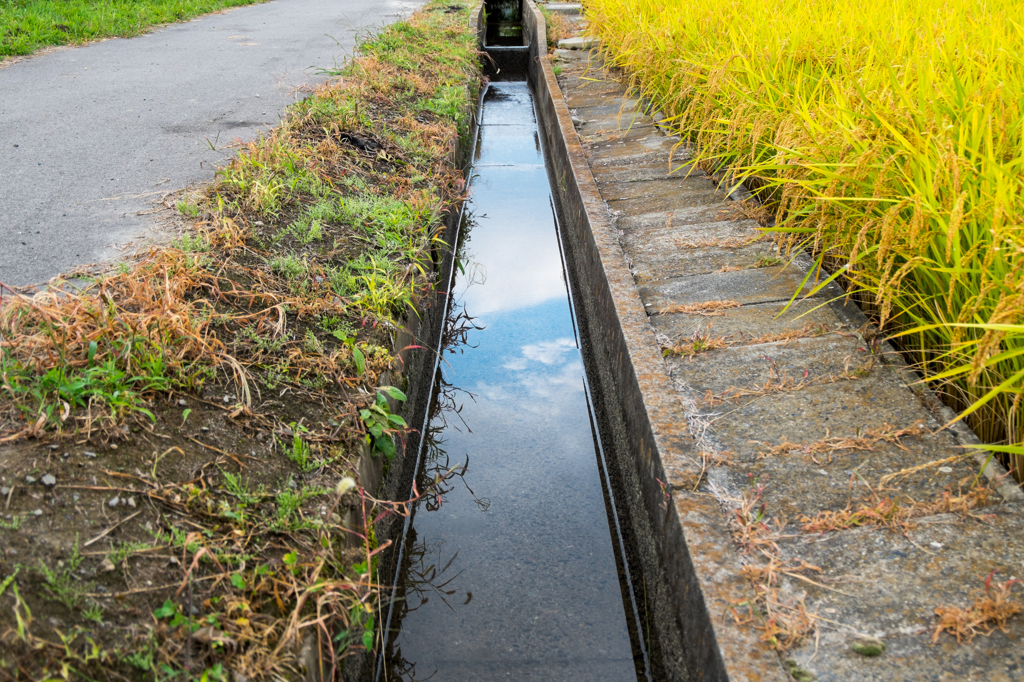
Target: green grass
[[29, 25]]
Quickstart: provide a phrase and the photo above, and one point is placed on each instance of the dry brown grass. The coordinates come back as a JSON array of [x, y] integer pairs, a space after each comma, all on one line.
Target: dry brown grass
[[893, 513], [558, 27], [707, 308], [830, 445], [702, 341], [989, 610], [781, 616]]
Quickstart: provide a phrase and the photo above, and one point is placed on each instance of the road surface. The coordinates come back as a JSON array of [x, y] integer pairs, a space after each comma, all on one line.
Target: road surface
[[91, 136]]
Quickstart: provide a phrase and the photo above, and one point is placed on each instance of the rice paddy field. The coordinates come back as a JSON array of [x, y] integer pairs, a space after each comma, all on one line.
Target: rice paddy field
[[887, 139]]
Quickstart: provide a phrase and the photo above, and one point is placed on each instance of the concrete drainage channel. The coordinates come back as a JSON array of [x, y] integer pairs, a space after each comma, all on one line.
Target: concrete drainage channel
[[558, 550], [542, 560], [523, 568]]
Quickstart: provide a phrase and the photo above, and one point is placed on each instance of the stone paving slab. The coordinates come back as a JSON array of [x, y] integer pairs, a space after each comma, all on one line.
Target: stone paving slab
[[945, 559], [753, 321], [648, 265], [577, 43], [691, 215], [760, 285], [799, 393], [563, 7], [643, 172]]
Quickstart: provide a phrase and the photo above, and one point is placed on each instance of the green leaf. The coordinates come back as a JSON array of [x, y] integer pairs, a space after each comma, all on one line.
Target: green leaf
[[92, 351], [394, 393], [290, 559], [368, 639], [386, 445], [359, 568], [166, 611], [237, 581], [365, 415], [376, 430], [397, 420], [360, 360]]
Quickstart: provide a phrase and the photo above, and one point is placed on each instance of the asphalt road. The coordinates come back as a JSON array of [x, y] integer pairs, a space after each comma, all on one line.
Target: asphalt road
[[91, 136]]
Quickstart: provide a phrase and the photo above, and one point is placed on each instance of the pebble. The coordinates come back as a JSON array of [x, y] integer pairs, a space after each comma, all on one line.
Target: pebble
[[227, 399], [5, 491], [89, 453], [114, 501], [204, 429], [935, 545], [49, 480], [182, 403], [54, 446], [131, 502], [37, 512], [30, 479], [107, 566], [173, 561], [946, 470]]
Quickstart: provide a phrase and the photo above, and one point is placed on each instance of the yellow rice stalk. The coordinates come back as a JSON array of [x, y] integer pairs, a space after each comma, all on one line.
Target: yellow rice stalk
[[888, 136]]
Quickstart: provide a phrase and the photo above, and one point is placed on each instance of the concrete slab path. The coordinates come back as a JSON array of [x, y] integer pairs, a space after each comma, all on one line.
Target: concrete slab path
[[90, 136]]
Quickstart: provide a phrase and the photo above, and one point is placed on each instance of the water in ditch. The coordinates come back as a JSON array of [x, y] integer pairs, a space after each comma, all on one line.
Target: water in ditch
[[512, 573]]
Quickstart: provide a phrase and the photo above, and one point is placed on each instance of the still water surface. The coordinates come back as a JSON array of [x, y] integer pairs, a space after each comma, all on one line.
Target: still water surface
[[513, 576]]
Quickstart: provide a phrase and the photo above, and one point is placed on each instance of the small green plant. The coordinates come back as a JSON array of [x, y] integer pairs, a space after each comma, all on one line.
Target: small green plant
[[380, 423], [13, 524], [93, 612], [313, 344], [289, 501], [360, 629], [288, 266], [143, 657], [61, 585], [125, 550], [299, 452], [238, 488], [187, 208], [767, 260], [192, 243]]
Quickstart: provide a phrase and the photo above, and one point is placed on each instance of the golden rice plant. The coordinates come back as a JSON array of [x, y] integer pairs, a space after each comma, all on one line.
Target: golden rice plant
[[888, 136]]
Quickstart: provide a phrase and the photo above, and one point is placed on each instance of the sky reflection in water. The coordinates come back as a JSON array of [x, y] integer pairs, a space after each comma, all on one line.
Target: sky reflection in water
[[529, 588]]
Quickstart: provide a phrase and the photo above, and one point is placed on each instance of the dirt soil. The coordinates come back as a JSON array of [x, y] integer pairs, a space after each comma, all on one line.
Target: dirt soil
[[187, 441]]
